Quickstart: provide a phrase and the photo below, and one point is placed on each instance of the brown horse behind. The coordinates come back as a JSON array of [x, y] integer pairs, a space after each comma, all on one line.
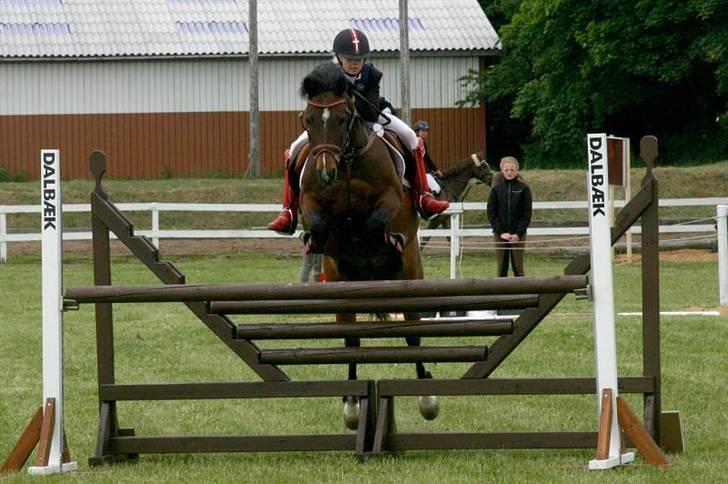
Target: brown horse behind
[[456, 182], [353, 204]]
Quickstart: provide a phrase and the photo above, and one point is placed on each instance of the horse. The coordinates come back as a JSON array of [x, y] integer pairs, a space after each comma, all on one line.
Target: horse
[[456, 182], [354, 207]]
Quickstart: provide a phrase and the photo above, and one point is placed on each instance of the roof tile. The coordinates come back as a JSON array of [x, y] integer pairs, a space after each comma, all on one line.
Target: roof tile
[[103, 28]]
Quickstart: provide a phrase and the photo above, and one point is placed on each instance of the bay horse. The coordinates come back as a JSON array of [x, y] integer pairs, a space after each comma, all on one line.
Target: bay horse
[[354, 207], [456, 181]]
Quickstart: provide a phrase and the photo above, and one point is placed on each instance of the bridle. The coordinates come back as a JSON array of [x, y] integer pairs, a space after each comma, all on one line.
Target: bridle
[[344, 152]]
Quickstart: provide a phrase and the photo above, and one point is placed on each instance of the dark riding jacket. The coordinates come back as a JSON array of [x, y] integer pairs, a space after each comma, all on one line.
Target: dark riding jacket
[[429, 162], [367, 84], [509, 207]]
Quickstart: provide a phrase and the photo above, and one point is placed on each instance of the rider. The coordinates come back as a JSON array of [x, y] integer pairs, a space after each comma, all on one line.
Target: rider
[[351, 48], [422, 130]]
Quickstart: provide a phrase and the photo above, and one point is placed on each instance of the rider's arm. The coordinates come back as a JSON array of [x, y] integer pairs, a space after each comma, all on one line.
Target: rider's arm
[[369, 88]]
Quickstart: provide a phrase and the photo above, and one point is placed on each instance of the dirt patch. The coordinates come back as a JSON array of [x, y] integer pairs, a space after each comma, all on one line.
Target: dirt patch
[[293, 246], [289, 246], [679, 255]]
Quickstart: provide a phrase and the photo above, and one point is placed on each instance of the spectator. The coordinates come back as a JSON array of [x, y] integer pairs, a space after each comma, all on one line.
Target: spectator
[[509, 212]]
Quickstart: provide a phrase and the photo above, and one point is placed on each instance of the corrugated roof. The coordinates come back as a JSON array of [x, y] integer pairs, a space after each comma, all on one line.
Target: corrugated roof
[[109, 28]]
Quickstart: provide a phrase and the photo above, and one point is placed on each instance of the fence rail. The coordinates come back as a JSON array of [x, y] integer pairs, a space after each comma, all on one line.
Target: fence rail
[[456, 210]]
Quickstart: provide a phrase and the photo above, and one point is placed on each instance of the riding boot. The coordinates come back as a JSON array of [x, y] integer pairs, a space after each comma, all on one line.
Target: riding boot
[[286, 221], [428, 206]]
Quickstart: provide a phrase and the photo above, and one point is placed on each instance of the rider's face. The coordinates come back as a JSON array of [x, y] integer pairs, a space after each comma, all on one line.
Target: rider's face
[[351, 66]]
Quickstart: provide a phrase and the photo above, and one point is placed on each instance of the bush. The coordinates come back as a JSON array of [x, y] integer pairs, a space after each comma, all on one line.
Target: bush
[[7, 176]]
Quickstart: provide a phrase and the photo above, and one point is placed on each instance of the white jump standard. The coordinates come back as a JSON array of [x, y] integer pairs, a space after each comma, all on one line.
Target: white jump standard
[[605, 348]]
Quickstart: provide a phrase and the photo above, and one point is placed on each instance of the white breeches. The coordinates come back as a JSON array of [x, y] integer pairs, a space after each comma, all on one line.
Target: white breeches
[[400, 128], [298, 144], [434, 186]]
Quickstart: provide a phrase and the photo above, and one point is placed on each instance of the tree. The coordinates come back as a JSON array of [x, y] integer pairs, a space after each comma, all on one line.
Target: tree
[[623, 66]]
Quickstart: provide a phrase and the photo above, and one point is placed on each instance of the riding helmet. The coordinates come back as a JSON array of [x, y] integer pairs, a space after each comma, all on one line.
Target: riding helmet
[[420, 125], [351, 43]]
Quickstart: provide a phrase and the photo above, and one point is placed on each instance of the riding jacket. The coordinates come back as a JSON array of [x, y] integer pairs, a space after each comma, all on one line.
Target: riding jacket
[[429, 162], [509, 207], [367, 84]]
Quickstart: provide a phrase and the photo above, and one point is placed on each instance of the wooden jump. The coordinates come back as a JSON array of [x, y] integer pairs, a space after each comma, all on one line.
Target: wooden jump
[[370, 305], [377, 433], [383, 329], [330, 290]]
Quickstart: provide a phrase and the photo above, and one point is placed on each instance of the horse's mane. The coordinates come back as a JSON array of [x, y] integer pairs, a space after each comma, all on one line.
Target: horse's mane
[[325, 77]]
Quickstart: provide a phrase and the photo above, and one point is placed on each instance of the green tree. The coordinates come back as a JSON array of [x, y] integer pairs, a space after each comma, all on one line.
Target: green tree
[[623, 66]]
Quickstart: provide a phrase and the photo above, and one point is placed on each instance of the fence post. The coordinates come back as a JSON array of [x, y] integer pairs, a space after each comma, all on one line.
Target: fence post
[[3, 235], [155, 224], [723, 253]]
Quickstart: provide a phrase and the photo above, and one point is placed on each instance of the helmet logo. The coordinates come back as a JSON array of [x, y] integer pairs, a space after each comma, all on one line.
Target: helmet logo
[[355, 40]]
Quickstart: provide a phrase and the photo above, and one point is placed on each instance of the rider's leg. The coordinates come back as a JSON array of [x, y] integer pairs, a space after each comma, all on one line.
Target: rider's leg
[[286, 221], [434, 186], [428, 206]]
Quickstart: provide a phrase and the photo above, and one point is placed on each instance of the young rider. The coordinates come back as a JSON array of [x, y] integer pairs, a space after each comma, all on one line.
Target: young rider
[[422, 130], [351, 48]]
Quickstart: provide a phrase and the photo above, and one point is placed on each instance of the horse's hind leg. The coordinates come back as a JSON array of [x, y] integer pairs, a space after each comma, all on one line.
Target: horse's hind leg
[[428, 405]]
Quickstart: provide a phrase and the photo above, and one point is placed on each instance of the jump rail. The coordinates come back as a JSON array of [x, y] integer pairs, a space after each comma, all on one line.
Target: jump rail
[[377, 430]]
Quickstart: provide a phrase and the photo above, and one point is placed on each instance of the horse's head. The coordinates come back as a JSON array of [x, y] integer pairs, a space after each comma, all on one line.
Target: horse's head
[[328, 118], [481, 169]]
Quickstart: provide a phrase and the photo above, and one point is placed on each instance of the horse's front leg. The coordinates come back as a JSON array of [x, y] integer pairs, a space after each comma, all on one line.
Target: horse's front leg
[[428, 405], [314, 219], [385, 210]]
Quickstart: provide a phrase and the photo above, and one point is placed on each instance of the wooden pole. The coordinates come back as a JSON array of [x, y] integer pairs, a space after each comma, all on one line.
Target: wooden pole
[[640, 437], [105, 293]]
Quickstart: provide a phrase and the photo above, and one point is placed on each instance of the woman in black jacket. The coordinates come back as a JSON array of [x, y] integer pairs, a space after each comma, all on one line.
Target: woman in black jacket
[[509, 211]]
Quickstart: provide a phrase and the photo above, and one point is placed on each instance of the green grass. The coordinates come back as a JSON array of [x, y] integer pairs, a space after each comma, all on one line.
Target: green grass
[[157, 343]]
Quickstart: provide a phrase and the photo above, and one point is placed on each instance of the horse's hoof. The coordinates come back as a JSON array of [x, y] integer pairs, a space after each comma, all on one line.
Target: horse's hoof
[[429, 407], [351, 413]]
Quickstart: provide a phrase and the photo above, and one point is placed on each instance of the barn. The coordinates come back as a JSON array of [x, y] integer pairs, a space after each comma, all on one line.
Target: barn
[[163, 86]]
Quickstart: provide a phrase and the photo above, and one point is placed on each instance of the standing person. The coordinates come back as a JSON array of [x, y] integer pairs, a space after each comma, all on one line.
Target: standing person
[[509, 211], [422, 130], [351, 49]]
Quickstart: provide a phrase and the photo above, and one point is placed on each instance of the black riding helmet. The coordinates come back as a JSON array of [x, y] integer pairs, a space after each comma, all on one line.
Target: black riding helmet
[[351, 43]]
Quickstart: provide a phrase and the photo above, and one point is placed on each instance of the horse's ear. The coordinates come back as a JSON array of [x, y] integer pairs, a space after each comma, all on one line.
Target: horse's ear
[[307, 86], [341, 86]]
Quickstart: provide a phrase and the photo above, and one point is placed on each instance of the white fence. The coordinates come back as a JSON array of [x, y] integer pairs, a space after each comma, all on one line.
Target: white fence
[[156, 233], [455, 233]]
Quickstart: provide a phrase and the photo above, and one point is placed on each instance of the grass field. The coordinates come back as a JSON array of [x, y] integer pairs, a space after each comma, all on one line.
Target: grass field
[[157, 343]]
